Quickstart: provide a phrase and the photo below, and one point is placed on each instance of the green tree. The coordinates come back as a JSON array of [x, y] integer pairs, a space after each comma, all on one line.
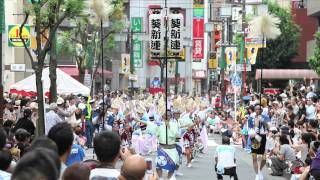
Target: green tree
[[314, 61], [87, 41], [279, 52], [47, 16]]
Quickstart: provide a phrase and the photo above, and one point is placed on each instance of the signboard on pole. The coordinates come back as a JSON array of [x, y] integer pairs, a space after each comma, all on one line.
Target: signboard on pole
[[240, 67], [175, 37], [14, 35], [87, 80], [236, 80], [257, 41], [17, 67], [136, 26], [156, 34]]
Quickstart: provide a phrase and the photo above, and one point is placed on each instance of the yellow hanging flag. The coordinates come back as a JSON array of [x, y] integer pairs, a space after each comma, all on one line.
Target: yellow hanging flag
[[231, 55], [252, 52]]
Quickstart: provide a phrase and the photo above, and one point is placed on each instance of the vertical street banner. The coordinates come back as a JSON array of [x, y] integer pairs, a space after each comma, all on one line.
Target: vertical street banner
[[252, 52], [231, 55], [156, 34], [198, 30], [136, 26], [125, 64], [175, 36]]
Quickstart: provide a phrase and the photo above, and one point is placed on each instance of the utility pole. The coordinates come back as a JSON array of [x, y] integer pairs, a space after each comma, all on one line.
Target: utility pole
[[2, 24], [243, 58], [102, 71], [166, 53]]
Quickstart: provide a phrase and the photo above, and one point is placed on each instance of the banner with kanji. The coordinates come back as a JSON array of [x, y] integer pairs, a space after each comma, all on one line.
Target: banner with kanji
[[198, 32]]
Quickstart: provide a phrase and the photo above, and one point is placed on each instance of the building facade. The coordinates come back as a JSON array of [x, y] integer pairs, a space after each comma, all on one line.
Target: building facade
[[190, 74]]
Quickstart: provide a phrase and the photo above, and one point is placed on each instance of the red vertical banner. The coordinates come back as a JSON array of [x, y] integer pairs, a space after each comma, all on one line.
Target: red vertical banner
[[198, 28], [198, 48], [198, 33]]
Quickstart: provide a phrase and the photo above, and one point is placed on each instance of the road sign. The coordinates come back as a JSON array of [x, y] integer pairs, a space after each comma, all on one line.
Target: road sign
[[133, 77], [240, 67], [17, 67], [236, 80], [87, 80], [257, 41]]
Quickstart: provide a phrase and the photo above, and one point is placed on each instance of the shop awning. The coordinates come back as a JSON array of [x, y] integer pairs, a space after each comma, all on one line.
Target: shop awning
[[286, 74], [71, 71], [107, 74]]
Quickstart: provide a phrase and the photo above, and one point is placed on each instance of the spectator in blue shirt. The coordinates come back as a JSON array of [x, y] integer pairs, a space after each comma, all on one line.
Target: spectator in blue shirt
[[76, 155]]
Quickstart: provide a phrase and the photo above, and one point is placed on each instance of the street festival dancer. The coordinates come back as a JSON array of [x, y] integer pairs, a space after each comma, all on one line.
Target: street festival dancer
[[167, 132], [259, 142]]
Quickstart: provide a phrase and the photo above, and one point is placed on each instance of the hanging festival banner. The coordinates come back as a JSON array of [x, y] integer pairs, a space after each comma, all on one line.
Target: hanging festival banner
[[125, 64], [252, 52], [231, 55], [156, 34], [175, 30]]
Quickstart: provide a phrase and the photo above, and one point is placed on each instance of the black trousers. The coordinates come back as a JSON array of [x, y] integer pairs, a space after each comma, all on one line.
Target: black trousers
[[228, 171]]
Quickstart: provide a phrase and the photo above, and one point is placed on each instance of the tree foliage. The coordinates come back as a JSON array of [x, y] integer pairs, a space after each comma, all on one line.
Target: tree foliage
[[279, 52], [314, 61], [83, 44], [47, 16]]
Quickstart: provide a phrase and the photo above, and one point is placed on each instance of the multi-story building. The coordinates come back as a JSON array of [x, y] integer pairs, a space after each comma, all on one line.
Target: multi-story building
[[192, 72], [12, 55], [313, 11]]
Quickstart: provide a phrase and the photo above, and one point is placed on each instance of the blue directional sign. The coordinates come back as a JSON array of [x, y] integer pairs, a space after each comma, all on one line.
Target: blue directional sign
[[236, 80]]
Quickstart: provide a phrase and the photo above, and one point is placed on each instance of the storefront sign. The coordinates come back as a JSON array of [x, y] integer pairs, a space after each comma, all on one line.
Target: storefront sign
[[14, 36], [198, 3], [200, 74], [136, 26]]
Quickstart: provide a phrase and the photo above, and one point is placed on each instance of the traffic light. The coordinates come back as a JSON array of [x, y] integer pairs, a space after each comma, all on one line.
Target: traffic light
[[216, 39]]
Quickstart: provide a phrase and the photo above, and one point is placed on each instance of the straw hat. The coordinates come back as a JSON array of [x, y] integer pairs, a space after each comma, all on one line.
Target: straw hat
[[116, 104], [140, 110], [203, 104], [60, 101], [148, 102], [190, 104], [161, 109]]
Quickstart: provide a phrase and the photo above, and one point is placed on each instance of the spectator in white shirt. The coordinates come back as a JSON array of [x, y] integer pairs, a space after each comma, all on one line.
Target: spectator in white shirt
[[72, 109], [310, 110], [225, 159], [51, 117]]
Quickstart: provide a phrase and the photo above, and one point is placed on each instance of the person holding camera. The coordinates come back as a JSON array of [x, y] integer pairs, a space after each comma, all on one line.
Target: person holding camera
[[285, 156]]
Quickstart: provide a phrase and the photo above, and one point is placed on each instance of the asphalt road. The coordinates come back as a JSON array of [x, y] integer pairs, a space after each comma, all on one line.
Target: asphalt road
[[203, 169]]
